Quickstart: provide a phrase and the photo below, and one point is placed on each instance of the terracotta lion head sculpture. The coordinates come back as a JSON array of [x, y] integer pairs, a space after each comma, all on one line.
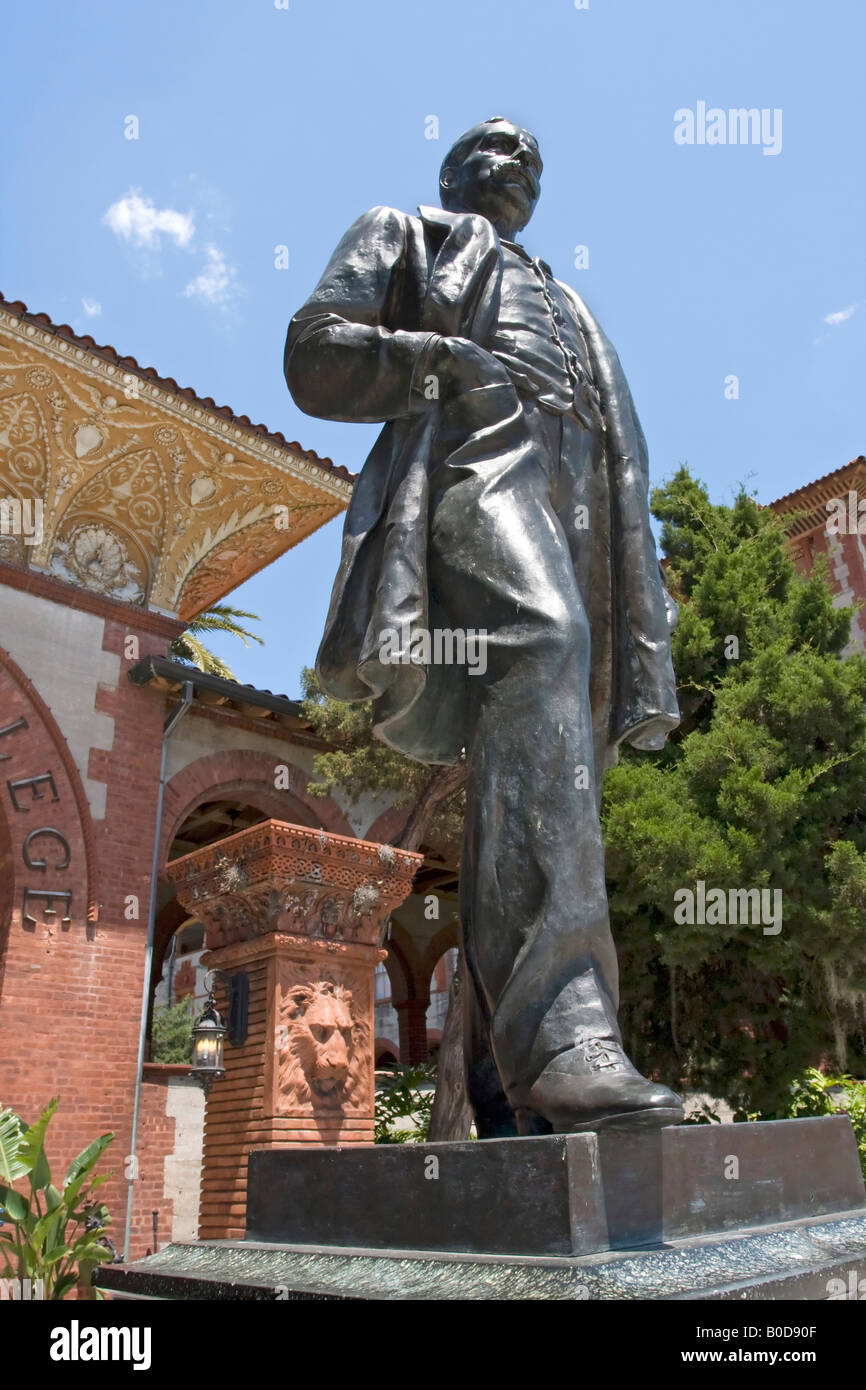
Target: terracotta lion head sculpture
[[324, 1051]]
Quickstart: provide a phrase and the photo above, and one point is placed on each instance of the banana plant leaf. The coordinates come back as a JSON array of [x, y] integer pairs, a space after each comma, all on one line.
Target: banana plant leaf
[[55, 1235], [81, 1166], [32, 1148], [12, 1164], [12, 1202]]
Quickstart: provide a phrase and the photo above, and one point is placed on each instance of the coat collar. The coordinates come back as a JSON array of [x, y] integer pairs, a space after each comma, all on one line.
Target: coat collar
[[524, 255]]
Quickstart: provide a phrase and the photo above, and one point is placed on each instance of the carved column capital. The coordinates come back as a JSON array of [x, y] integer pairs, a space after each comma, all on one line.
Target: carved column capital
[[289, 879]]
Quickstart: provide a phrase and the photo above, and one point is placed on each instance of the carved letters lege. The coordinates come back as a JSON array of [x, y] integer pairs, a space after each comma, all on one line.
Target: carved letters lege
[[38, 785]]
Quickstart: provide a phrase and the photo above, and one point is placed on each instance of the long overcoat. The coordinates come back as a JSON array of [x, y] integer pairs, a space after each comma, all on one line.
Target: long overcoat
[[358, 350]]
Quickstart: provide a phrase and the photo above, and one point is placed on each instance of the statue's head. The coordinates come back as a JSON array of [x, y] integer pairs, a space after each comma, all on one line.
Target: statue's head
[[493, 169]]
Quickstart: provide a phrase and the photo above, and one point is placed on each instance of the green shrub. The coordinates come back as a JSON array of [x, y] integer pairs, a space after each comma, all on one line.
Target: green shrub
[[170, 1036], [813, 1093], [400, 1098]]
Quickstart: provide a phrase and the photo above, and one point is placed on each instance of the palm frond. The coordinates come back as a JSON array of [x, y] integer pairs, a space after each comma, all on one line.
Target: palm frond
[[220, 617], [188, 648]]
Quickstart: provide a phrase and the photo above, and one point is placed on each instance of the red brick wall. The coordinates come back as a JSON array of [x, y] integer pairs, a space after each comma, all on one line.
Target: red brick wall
[[156, 1141], [70, 995]]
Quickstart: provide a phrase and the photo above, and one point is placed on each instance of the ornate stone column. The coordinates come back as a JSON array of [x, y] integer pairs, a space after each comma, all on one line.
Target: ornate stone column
[[294, 921]]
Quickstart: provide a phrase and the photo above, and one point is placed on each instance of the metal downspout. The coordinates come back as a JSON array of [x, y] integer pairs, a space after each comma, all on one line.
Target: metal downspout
[[131, 1161]]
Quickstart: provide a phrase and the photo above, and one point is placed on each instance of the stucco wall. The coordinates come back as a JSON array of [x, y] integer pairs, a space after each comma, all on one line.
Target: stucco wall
[[61, 651]]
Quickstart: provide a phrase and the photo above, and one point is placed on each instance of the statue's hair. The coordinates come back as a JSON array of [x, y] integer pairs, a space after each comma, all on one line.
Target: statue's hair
[[463, 144]]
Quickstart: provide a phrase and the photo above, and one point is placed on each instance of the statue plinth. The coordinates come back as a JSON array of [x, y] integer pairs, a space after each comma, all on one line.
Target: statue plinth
[[301, 914], [652, 1214]]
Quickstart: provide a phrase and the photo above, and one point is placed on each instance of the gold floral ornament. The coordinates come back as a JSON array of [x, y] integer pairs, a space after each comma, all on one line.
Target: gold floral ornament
[[149, 494]]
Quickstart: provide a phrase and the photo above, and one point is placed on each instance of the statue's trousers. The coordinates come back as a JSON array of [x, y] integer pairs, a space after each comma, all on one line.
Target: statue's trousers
[[510, 554]]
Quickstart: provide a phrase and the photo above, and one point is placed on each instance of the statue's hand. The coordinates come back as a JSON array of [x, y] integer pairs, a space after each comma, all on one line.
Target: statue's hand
[[462, 366]]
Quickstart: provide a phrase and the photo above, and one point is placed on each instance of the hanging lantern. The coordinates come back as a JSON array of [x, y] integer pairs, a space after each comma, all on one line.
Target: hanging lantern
[[207, 1046]]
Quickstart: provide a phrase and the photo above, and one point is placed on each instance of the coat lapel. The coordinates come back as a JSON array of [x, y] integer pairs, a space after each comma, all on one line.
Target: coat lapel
[[463, 287]]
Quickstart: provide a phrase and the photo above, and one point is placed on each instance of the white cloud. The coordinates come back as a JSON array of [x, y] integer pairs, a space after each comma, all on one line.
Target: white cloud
[[137, 220], [216, 283], [91, 307], [840, 315]]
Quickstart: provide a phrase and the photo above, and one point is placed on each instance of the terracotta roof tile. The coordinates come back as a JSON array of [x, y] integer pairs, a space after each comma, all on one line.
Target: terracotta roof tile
[[168, 383], [807, 487]]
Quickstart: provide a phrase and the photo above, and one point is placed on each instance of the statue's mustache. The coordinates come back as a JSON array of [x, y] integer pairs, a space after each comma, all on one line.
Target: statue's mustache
[[512, 168]]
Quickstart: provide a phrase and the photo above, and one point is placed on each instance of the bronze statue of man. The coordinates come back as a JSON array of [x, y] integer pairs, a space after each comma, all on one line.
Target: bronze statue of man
[[507, 495]]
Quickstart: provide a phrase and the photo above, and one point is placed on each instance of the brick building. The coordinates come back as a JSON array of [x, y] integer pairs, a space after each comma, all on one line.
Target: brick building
[[127, 506], [828, 518]]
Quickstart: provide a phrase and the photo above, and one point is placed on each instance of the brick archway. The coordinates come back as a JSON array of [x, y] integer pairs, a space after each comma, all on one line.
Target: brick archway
[[446, 937], [251, 775], [7, 872], [168, 920], [383, 1045], [387, 825], [46, 811], [405, 968]]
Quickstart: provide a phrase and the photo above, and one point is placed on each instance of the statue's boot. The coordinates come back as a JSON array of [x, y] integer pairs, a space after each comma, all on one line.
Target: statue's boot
[[594, 1086]]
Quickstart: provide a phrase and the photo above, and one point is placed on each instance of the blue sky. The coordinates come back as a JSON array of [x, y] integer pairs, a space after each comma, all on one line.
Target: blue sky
[[260, 126]]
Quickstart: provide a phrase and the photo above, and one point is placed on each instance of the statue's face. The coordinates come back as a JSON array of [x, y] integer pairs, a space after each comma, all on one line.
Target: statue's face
[[499, 177]]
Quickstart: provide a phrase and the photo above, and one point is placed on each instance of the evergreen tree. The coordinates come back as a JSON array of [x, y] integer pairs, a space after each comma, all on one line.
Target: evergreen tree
[[760, 788]]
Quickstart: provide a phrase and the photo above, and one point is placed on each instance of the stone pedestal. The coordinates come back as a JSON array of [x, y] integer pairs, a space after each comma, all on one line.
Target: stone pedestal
[[301, 914], [750, 1211], [563, 1194]]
